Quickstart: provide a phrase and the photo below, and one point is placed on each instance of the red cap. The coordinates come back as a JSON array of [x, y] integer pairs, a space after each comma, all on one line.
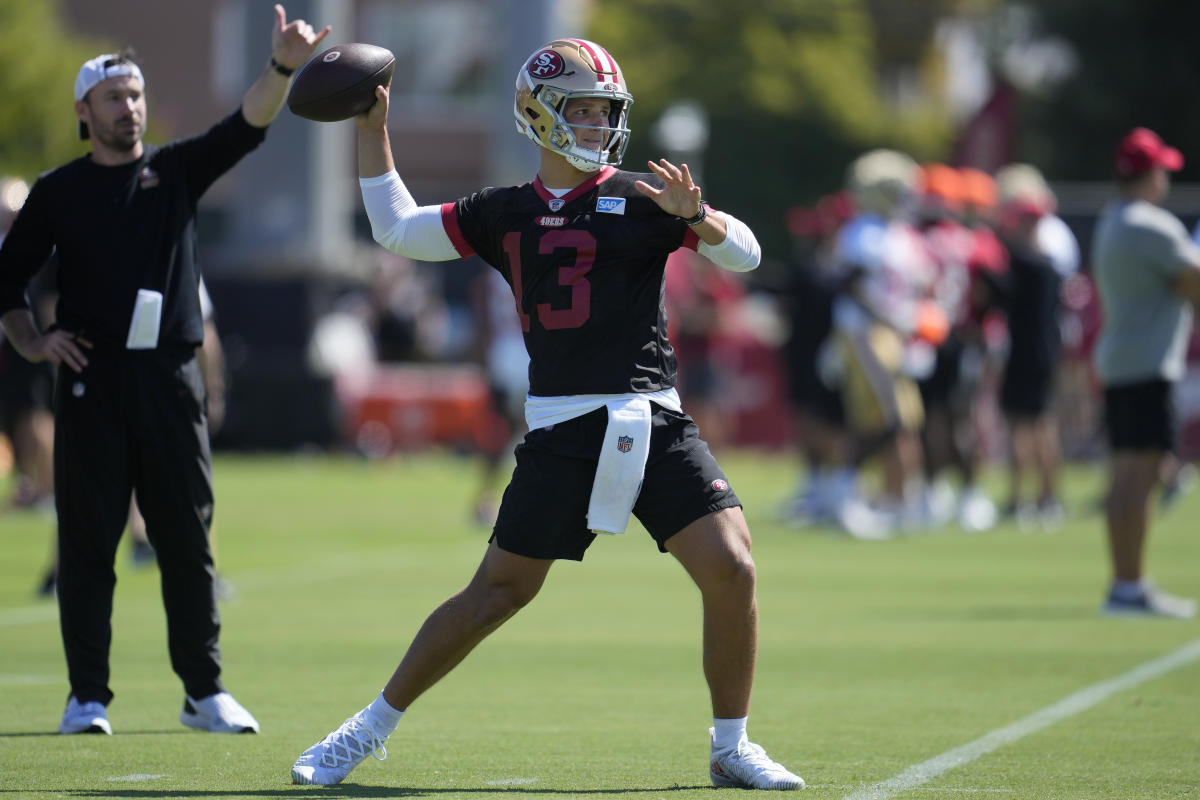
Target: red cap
[[1142, 149]]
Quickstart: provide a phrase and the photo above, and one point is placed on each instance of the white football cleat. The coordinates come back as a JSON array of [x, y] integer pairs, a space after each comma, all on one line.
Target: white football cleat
[[330, 760], [218, 713], [748, 766], [89, 717]]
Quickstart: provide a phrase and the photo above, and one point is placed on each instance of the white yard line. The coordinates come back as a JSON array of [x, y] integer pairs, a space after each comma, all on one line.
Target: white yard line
[[1082, 700], [29, 615]]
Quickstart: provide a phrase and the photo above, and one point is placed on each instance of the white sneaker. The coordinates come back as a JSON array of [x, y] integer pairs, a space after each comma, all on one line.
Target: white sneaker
[[218, 713], [976, 512], [859, 519], [89, 717], [1152, 602], [330, 760], [749, 767]]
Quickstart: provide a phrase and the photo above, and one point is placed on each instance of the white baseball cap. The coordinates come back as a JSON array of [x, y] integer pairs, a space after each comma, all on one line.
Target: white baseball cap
[[106, 65]]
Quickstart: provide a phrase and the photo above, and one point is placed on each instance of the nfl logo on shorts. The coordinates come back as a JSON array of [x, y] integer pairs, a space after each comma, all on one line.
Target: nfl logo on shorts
[[624, 443]]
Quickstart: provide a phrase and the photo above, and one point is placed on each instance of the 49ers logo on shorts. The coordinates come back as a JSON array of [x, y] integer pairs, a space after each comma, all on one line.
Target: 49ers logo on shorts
[[624, 443], [546, 64], [720, 485]]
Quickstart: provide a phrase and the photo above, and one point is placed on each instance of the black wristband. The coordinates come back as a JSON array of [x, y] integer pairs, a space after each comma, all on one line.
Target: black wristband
[[692, 222], [281, 69]]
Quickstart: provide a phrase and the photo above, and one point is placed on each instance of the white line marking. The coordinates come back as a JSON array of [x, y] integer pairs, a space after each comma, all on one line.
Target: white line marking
[[28, 680], [1069, 706], [29, 615], [137, 777]]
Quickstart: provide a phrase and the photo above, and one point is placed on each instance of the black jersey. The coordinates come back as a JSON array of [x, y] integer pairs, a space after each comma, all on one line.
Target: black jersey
[[117, 229], [587, 274], [1032, 307]]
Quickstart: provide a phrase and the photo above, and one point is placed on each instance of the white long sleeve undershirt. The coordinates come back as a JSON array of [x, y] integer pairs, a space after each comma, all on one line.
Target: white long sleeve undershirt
[[403, 227]]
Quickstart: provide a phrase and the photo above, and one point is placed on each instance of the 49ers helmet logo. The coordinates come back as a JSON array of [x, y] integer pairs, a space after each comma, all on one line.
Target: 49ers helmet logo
[[546, 64]]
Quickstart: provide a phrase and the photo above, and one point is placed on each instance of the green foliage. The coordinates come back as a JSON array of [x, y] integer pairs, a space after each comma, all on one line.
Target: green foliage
[[1137, 65], [38, 63]]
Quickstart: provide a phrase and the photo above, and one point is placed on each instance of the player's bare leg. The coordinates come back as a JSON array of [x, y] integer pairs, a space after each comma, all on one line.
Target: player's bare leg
[[503, 584], [715, 551]]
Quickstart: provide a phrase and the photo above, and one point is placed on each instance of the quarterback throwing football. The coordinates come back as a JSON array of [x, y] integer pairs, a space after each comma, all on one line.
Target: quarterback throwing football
[[584, 247]]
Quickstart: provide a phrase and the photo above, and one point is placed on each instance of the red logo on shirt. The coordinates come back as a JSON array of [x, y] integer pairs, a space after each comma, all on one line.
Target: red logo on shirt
[[720, 485]]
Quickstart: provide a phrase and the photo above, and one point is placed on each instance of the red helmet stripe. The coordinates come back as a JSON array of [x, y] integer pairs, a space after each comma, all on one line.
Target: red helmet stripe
[[605, 65]]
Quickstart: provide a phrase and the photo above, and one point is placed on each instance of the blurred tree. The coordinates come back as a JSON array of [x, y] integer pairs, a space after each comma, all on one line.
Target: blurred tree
[[794, 89], [1135, 64], [38, 62]]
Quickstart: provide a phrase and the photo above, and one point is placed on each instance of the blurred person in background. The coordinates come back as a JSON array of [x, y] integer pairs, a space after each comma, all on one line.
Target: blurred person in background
[[949, 392], [1147, 271], [26, 388], [129, 405], [408, 313], [501, 348], [702, 300], [808, 301], [883, 327], [584, 247], [1042, 253]]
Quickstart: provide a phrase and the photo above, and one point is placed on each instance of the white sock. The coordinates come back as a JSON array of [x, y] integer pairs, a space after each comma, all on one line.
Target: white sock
[[727, 733], [383, 717]]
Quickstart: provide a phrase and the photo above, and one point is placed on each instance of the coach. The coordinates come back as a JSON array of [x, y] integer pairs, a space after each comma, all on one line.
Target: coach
[[130, 410]]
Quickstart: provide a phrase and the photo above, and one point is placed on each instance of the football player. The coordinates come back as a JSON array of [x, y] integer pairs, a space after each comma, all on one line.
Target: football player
[[583, 247]]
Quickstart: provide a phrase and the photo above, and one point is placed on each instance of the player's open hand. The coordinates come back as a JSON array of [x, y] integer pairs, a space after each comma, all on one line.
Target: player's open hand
[[293, 42], [679, 195]]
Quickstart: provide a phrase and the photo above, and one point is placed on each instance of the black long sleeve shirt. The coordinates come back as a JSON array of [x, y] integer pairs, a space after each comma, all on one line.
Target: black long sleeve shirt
[[118, 229]]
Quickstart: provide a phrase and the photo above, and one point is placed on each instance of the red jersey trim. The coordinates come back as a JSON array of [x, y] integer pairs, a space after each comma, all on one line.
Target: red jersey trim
[[691, 240], [581, 189], [450, 223]]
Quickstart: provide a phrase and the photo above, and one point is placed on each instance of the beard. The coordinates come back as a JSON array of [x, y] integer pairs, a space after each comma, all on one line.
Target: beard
[[121, 136]]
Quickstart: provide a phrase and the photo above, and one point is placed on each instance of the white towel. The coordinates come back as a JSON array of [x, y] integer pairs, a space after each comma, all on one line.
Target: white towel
[[619, 471], [622, 464]]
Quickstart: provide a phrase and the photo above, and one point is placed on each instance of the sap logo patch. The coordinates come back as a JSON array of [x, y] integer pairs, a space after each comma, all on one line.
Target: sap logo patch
[[610, 205], [549, 221]]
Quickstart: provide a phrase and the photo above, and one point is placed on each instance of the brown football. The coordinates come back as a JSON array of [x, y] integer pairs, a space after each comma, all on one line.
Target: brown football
[[340, 82]]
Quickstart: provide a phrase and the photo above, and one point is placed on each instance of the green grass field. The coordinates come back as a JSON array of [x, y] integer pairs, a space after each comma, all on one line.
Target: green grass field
[[875, 658]]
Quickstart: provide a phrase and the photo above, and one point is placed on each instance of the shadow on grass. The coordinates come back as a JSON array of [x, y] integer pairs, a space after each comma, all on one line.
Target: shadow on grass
[[353, 790]]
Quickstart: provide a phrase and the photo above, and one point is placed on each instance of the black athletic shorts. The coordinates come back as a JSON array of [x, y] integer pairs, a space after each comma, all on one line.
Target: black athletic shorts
[[544, 510], [1141, 416], [1025, 389]]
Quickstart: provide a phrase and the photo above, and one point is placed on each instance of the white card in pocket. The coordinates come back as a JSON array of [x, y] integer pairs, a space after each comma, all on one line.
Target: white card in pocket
[[147, 316]]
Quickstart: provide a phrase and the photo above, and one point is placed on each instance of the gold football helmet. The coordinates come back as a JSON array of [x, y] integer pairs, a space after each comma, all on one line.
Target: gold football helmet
[[555, 73]]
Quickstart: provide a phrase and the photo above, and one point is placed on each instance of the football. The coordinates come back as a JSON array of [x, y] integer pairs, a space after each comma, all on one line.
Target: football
[[340, 82]]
